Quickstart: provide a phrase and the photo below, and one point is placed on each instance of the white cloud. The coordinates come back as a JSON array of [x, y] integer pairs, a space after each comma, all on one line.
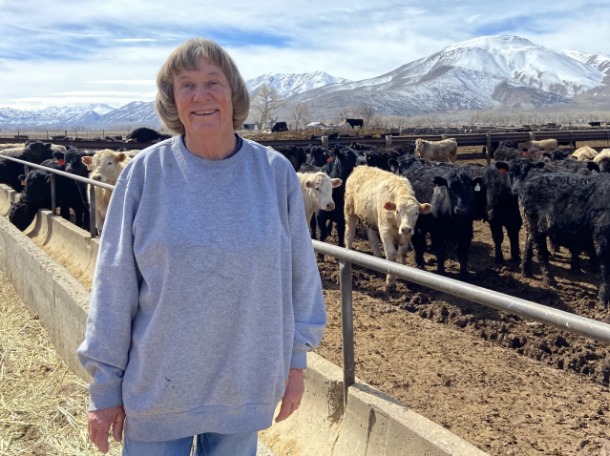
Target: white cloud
[[58, 51]]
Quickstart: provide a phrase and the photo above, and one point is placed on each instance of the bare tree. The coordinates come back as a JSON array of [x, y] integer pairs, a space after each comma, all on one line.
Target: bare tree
[[300, 113], [342, 114], [264, 103], [366, 111]]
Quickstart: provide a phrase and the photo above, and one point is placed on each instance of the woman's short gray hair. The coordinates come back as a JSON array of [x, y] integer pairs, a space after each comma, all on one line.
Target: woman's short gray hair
[[186, 58]]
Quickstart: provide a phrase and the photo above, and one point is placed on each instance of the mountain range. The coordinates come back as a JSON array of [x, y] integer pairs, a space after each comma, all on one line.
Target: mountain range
[[491, 72]]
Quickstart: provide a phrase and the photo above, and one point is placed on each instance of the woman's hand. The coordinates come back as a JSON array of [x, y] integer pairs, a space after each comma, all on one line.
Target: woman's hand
[[295, 387], [100, 422]]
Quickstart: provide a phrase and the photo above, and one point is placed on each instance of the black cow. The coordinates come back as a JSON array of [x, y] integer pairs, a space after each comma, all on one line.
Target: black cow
[[570, 210], [10, 170], [33, 151], [35, 195], [505, 151], [355, 123], [279, 126], [496, 204], [451, 192], [382, 158], [69, 194], [318, 155], [341, 165], [145, 135], [295, 154]]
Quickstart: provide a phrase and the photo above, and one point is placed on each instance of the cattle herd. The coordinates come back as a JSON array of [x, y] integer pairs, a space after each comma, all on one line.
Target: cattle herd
[[415, 197]]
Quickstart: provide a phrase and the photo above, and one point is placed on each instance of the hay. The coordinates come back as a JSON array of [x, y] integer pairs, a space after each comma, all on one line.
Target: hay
[[42, 403]]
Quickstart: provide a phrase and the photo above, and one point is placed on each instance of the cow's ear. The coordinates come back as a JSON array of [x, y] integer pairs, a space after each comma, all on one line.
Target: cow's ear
[[336, 182], [309, 183], [121, 157], [389, 206], [87, 160], [501, 166], [440, 181], [425, 208]]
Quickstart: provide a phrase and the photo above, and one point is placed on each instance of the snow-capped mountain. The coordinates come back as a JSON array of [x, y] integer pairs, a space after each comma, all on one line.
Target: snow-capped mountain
[[598, 61], [286, 85], [55, 116], [487, 72]]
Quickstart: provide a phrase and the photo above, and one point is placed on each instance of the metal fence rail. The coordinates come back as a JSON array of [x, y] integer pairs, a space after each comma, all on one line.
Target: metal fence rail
[[481, 138], [566, 321], [572, 323]]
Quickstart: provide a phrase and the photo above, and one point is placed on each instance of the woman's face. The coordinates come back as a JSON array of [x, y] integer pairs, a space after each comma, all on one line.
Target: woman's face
[[203, 100]]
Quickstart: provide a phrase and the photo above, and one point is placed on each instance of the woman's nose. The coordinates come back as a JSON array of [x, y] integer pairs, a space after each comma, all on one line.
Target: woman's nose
[[201, 92]]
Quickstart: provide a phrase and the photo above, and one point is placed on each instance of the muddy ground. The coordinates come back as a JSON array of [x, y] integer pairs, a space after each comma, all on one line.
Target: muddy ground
[[507, 385]]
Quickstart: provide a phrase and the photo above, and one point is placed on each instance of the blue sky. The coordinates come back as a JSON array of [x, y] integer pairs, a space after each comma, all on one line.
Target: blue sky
[[109, 51]]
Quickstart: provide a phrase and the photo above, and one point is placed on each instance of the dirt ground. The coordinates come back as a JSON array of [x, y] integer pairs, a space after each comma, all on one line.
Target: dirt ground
[[507, 385]]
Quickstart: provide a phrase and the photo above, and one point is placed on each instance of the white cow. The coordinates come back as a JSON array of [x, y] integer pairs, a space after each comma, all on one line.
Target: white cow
[[442, 151], [584, 153], [317, 190], [546, 145], [105, 166], [381, 199]]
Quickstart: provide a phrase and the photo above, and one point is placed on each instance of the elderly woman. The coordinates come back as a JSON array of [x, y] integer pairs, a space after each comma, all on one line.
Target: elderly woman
[[206, 295]]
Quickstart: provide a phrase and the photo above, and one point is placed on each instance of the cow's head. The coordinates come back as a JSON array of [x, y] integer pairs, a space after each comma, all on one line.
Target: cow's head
[[405, 212], [321, 186]]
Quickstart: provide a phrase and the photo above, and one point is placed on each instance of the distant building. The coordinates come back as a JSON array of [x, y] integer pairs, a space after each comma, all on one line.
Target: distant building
[[313, 125]]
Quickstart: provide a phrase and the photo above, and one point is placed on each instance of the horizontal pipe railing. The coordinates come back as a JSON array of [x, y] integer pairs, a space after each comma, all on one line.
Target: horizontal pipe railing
[[479, 138], [92, 182], [76, 177], [566, 321], [573, 323]]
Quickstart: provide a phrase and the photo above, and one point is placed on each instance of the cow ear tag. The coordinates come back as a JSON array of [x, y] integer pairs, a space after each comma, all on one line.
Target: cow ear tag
[[477, 188]]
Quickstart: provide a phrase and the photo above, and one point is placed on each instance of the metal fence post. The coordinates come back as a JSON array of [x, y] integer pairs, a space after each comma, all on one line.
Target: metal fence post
[[92, 221], [53, 194], [347, 325]]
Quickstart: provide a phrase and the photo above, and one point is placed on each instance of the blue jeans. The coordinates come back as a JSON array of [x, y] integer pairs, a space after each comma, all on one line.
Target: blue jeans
[[208, 444]]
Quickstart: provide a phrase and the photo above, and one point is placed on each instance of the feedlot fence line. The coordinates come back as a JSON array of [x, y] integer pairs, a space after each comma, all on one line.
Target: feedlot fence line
[[566, 321], [483, 138]]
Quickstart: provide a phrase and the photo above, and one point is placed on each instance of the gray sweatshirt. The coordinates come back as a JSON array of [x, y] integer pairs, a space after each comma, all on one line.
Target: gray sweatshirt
[[206, 292]]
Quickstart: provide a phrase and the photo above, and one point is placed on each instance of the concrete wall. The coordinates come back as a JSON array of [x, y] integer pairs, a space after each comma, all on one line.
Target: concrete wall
[[368, 423]]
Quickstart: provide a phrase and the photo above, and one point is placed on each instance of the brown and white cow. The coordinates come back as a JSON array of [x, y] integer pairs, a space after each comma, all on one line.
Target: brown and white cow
[[442, 151], [317, 190], [382, 200], [105, 166]]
